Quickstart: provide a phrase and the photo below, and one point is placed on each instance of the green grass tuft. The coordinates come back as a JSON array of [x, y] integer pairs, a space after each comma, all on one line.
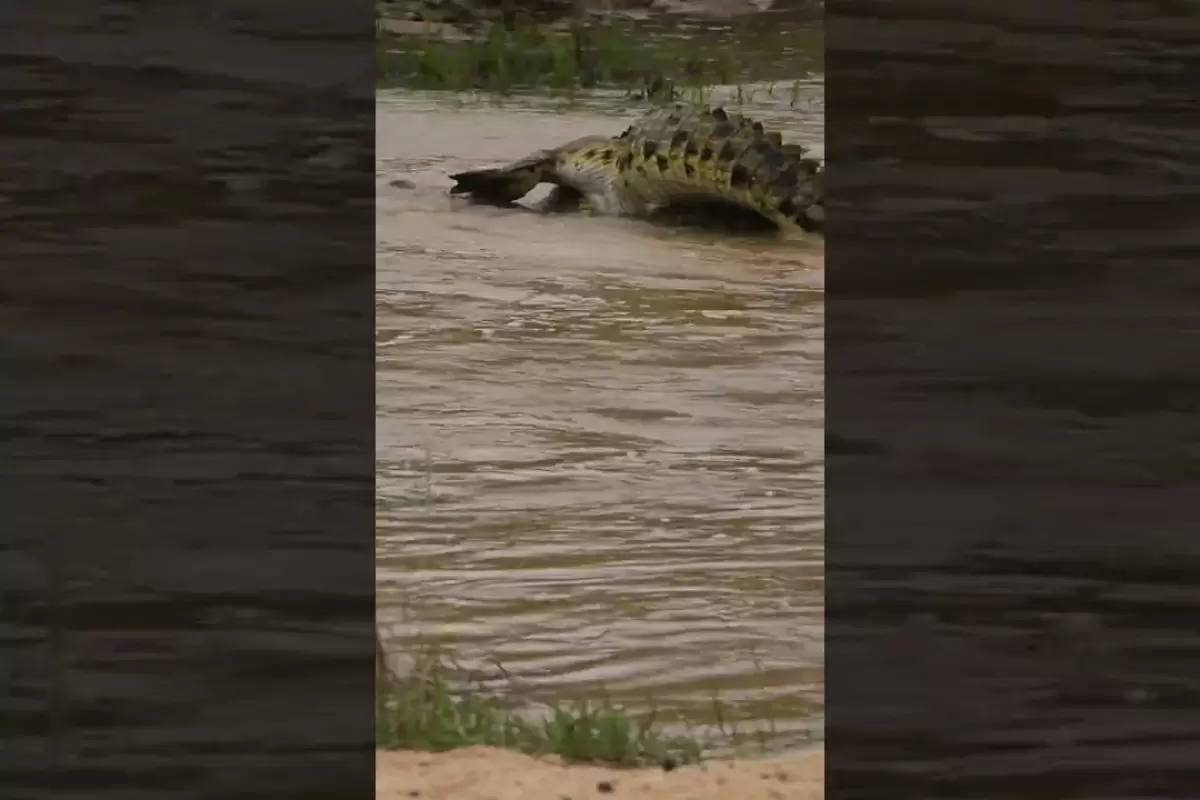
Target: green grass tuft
[[428, 710]]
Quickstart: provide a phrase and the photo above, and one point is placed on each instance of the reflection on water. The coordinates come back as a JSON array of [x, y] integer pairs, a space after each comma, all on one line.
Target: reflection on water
[[600, 442]]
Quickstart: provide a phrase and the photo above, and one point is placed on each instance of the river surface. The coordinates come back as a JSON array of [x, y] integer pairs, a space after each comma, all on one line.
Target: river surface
[[600, 442]]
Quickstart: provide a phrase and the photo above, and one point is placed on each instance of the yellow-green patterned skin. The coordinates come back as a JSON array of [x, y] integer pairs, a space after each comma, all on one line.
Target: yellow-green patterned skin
[[672, 156], [689, 153]]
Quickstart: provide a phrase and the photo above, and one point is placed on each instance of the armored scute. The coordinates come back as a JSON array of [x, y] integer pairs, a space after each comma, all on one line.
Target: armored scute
[[672, 157]]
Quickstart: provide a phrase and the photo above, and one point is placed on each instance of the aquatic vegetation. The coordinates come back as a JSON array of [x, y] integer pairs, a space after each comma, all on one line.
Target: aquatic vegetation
[[654, 65], [437, 705], [429, 709]]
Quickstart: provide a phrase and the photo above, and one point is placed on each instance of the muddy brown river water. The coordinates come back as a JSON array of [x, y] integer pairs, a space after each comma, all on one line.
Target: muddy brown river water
[[600, 443]]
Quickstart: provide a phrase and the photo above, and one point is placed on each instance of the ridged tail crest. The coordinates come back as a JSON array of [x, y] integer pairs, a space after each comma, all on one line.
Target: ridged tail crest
[[708, 154]]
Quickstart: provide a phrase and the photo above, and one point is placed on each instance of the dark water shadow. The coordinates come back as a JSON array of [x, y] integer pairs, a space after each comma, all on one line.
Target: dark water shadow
[[187, 289], [1010, 378]]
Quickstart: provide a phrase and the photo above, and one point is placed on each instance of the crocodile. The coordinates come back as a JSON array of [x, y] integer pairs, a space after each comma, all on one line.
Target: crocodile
[[674, 157]]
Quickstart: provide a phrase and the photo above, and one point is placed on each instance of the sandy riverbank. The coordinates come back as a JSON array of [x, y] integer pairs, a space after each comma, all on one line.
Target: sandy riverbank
[[485, 773]]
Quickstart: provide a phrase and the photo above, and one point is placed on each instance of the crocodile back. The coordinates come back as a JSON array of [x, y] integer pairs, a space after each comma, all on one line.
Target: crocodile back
[[696, 153]]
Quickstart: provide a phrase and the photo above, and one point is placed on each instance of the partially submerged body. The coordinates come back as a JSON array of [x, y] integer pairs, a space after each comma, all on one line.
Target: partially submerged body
[[693, 162]]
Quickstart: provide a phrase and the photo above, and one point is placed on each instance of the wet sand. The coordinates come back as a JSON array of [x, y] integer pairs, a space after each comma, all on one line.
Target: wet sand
[[484, 773]]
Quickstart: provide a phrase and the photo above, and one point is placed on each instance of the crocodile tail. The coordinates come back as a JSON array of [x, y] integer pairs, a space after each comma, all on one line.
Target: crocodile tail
[[678, 154], [506, 184]]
